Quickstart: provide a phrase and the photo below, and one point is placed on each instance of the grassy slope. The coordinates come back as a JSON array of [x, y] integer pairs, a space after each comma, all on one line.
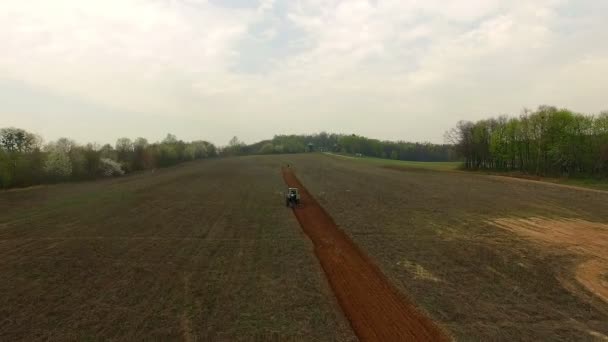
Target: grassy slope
[[201, 251], [429, 233], [456, 166], [440, 166]]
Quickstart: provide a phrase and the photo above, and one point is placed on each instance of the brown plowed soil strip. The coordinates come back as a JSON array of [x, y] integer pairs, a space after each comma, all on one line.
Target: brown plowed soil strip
[[376, 310]]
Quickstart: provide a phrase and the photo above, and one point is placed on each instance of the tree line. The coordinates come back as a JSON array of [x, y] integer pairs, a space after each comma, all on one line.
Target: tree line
[[545, 142], [345, 143], [26, 161]]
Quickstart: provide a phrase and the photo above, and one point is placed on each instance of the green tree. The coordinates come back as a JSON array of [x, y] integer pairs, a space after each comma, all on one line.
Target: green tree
[[268, 148]]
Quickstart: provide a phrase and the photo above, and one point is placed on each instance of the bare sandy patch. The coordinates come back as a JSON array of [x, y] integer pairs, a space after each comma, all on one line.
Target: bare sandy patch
[[418, 271], [598, 336], [584, 238]]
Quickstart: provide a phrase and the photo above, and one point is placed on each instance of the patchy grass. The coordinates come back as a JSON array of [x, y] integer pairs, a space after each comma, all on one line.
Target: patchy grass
[[439, 166], [589, 183], [204, 251], [586, 183]]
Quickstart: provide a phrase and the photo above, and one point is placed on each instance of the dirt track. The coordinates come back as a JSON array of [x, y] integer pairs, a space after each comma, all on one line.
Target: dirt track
[[376, 310]]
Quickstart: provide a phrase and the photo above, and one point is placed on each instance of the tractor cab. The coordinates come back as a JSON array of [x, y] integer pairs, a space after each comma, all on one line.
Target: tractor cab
[[292, 198]]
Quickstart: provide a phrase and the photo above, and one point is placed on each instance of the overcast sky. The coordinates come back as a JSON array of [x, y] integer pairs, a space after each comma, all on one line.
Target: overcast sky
[[395, 69]]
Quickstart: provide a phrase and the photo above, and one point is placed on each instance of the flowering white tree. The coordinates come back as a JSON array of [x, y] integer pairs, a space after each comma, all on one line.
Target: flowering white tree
[[58, 164], [109, 168]]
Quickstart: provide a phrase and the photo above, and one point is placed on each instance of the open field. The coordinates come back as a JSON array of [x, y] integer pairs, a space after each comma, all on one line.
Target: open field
[[208, 251], [440, 166], [589, 183], [434, 235], [374, 307], [204, 251]]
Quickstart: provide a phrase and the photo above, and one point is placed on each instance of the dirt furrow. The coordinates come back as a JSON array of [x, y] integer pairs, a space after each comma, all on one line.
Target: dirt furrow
[[374, 307]]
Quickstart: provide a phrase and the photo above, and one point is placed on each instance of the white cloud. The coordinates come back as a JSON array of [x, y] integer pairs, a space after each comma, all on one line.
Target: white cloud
[[125, 53], [403, 69]]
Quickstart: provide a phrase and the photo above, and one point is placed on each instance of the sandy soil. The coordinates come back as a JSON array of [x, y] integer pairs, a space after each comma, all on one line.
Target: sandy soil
[[584, 238]]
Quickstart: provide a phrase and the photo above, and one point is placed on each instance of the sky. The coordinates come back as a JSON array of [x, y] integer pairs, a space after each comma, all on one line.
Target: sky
[[407, 70]]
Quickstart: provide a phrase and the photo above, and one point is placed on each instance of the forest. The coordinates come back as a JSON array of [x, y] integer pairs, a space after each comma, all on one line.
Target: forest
[[546, 142], [26, 161], [346, 143]]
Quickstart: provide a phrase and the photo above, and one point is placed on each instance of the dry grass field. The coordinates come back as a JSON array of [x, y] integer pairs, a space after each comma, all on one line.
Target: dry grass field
[[208, 251]]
